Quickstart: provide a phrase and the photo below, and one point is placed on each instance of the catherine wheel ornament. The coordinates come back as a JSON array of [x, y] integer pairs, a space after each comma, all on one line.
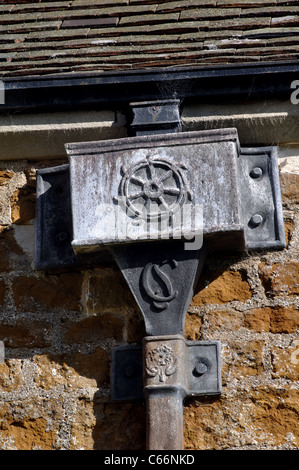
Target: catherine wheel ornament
[[154, 188]]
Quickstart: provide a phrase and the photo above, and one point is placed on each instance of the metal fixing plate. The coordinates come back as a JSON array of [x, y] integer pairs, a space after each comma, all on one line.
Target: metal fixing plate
[[202, 370], [261, 198], [54, 230], [126, 372]]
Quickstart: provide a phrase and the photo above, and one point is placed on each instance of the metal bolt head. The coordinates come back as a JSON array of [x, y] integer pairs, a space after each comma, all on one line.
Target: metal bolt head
[[129, 371], [256, 220], [62, 237], [256, 172], [200, 369]]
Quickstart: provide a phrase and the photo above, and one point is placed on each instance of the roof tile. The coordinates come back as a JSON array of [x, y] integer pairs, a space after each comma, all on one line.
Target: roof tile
[[66, 36]]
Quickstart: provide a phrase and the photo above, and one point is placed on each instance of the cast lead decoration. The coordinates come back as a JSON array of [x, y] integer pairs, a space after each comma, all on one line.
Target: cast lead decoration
[[157, 284], [160, 362], [154, 188]]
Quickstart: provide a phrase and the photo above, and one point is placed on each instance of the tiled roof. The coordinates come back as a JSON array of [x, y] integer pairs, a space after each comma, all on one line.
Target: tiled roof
[[71, 36]]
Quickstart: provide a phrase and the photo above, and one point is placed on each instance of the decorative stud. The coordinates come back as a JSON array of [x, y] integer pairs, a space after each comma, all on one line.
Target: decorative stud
[[256, 220], [256, 172]]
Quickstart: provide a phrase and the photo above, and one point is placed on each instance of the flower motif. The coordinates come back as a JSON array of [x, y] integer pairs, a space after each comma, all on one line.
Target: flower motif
[[160, 362]]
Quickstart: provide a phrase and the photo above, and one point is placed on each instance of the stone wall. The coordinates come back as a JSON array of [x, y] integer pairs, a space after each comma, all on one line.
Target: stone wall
[[59, 328], [250, 304]]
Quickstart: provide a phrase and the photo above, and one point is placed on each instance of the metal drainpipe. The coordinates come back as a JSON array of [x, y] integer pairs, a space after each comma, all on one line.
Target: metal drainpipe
[[164, 401], [164, 356]]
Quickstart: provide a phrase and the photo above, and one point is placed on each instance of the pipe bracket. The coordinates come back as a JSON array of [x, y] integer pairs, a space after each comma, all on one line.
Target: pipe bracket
[[164, 363]]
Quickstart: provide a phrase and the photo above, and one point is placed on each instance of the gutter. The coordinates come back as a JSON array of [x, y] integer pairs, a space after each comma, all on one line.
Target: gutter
[[41, 114], [117, 90]]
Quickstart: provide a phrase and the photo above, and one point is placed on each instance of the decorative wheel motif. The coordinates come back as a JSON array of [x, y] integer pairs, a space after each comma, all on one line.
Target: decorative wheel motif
[[154, 188]]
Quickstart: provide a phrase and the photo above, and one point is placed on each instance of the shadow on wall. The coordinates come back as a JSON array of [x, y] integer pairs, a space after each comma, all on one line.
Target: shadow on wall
[[59, 329]]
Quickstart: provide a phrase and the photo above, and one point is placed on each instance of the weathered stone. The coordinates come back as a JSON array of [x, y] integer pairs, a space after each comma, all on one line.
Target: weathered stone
[[289, 188], [30, 173], [23, 206], [99, 288], [274, 320], [243, 359], [12, 256], [5, 176], [83, 427], [49, 373], [286, 362], [92, 369], [220, 288], [26, 334], [16, 181], [280, 279], [11, 377], [193, 324], [261, 418], [288, 156], [53, 291], [119, 426], [30, 424], [225, 320], [74, 370], [95, 328]]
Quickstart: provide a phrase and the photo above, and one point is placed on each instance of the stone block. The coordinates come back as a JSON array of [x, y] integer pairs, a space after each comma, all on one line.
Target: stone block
[[99, 288], [26, 333], [273, 320], [61, 291], [11, 376], [118, 426], [289, 183], [12, 257], [285, 362], [76, 370], [225, 320], [243, 358], [94, 329], [280, 278], [23, 206], [222, 287]]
